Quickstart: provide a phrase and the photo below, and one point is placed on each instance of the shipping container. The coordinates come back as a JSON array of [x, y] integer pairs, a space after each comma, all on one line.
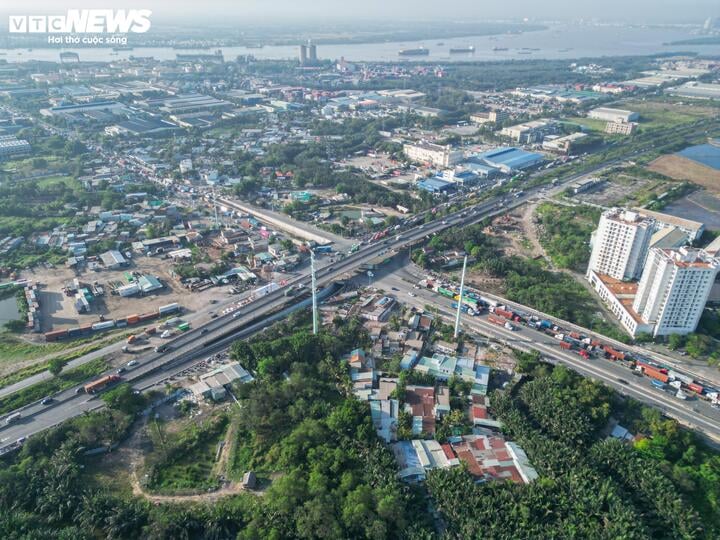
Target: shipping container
[[184, 326], [504, 313], [446, 292], [617, 355], [266, 289], [655, 374], [496, 320], [695, 388], [101, 383], [151, 330], [55, 335], [565, 345], [657, 384], [103, 325], [169, 308], [132, 319], [680, 377], [148, 316]]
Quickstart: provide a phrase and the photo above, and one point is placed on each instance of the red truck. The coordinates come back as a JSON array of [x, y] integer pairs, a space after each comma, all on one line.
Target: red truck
[[584, 354], [696, 388], [504, 313], [565, 345]]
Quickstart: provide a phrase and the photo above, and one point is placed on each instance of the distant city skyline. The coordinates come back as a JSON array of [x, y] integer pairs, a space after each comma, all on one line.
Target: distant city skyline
[[284, 11]]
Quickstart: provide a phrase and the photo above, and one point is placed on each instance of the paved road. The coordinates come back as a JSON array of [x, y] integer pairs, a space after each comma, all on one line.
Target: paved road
[[196, 344], [694, 413]]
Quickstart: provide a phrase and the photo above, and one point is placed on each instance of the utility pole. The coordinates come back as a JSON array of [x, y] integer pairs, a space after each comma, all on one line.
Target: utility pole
[[217, 221], [460, 299], [314, 292]]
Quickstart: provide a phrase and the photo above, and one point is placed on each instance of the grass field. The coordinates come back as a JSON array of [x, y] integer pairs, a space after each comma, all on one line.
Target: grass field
[[184, 460], [69, 181], [590, 123], [658, 114]]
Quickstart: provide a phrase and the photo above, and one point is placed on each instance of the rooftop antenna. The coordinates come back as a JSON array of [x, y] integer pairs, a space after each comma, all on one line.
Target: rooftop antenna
[[460, 299], [314, 292]]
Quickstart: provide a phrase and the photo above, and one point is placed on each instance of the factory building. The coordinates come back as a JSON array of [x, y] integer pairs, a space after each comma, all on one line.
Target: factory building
[[613, 115], [435, 154]]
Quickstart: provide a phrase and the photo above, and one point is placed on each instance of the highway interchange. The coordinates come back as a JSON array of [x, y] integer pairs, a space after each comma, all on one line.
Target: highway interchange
[[204, 340]]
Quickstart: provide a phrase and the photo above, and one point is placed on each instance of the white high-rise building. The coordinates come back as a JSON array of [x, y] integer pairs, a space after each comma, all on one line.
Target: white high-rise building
[[620, 244], [674, 288]]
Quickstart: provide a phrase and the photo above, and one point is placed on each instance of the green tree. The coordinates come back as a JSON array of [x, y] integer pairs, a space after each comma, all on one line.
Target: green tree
[[55, 366]]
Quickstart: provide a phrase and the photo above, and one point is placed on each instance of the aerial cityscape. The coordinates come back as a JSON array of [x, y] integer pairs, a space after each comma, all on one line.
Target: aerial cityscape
[[388, 271]]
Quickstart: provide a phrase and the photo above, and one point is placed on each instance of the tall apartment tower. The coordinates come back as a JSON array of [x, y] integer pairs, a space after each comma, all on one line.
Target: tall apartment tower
[[312, 52], [674, 288], [303, 57], [620, 244]]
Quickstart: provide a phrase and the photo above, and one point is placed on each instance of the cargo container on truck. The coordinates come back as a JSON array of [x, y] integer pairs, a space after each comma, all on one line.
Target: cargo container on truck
[[496, 320], [101, 383], [655, 374], [14, 417], [658, 384]]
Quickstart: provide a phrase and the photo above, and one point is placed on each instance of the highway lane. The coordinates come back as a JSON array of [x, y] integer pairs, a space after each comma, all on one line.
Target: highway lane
[[189, 346], [143, 377], [416, 273], [694, 413]]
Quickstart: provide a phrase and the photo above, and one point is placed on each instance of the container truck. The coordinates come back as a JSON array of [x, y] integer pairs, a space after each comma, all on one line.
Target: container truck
[[169, 308], [266, 289], [101, 383], [695, 388], [496, 320], [655, 375], [565, 345], [14, 417]]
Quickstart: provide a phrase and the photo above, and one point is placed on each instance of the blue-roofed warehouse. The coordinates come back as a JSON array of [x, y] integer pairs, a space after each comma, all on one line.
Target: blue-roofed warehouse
[[510, 159], [436, 185]]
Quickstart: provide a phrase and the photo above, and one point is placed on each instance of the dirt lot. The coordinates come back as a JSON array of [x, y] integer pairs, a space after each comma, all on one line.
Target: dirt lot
[[681, 168], [58, 310]]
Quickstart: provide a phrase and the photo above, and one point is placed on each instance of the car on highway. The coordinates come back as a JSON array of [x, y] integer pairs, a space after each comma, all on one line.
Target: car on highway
[[47, 401], [204, 331], [394, 288], [78, 389], [120, 370], [622, 381], [132, 363], [444, 221], [410, 293]]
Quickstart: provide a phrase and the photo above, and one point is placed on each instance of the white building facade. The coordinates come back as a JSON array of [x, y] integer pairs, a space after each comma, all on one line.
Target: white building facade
[[620, 244], [674, 289]]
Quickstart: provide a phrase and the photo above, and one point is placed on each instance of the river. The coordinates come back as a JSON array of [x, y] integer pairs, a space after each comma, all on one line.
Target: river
[[557, 42]]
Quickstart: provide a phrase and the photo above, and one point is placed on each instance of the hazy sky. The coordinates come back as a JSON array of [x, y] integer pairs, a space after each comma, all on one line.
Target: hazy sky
[[631, 10]]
